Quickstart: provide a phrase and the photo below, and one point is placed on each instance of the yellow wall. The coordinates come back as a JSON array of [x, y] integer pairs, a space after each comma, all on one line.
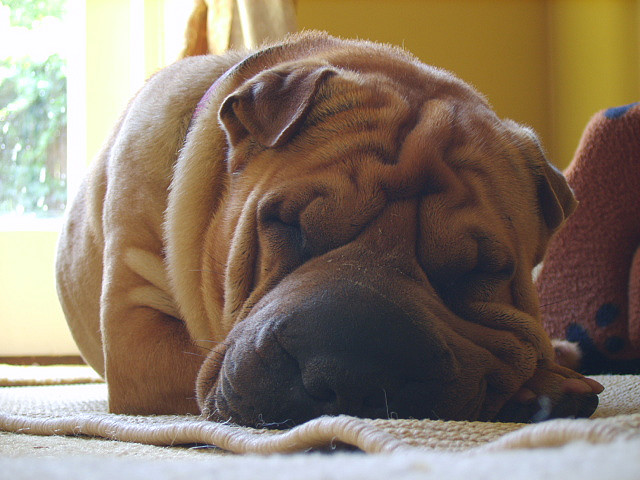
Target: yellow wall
[[497, 46], [595, 64], [31, 321], [548, 63]]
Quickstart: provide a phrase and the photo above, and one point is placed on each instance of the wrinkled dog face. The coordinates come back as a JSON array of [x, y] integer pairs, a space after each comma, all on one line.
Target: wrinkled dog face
[[381, 238]]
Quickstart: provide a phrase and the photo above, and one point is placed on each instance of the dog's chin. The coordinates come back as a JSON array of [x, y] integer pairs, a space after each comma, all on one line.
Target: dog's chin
[[354, 352], [287, 413], [286, 397]]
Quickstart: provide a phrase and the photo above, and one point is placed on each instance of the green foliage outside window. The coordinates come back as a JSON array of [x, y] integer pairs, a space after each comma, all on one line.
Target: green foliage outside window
[[33, 119]]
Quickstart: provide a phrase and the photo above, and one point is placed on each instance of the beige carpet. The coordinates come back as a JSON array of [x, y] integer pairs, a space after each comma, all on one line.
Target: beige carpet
[[57, 418]]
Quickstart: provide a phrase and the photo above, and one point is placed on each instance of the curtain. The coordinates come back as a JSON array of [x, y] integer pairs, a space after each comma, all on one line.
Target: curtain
[[218, 25]]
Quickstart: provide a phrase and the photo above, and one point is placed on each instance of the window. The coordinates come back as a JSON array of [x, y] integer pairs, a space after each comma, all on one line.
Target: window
[[33, 108], [111, 47]]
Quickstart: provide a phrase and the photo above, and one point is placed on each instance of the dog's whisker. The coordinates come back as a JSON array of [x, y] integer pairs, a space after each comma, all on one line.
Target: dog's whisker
[[261, 423], [210, 350], [195, 354], [217, 342], [386, 402], [215, 260]]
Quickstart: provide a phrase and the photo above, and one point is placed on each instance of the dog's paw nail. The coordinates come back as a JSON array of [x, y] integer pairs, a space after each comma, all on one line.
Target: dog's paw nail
[[577, 386], [596, 387]]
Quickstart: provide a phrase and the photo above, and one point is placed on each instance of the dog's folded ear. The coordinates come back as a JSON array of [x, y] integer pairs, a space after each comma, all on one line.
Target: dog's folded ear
[[271, 105], [556, 198]]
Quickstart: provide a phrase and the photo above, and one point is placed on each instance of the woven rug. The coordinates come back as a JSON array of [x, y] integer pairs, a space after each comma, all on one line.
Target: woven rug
[[72, 409]]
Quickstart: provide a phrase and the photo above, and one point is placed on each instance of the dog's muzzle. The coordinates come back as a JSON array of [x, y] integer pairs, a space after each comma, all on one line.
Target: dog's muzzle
[[328, 344]]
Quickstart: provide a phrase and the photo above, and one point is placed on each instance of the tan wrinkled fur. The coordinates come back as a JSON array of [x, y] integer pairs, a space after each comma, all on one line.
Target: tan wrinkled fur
[[157, 262]]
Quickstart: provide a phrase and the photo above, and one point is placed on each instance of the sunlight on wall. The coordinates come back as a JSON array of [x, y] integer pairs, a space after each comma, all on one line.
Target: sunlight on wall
[[31, 321]]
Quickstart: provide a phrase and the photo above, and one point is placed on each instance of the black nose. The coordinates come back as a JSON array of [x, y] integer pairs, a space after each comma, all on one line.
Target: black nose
[[345, 349]]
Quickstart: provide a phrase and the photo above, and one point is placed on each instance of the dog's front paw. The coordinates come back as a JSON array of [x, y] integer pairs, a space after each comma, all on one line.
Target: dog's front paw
[[553, 392]]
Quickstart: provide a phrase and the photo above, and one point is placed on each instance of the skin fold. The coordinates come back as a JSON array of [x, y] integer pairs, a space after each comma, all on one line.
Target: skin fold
[[319, 227]]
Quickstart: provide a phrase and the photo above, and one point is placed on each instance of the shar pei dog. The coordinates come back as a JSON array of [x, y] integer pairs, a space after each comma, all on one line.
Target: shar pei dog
[[318, 227]]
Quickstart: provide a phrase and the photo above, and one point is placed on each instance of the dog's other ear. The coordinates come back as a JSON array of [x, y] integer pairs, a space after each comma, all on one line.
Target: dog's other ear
[[271, 105], [556, 201], [556, 197]]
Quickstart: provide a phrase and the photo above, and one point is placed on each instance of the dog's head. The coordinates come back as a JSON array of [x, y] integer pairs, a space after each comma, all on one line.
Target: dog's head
[[373, 255]]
